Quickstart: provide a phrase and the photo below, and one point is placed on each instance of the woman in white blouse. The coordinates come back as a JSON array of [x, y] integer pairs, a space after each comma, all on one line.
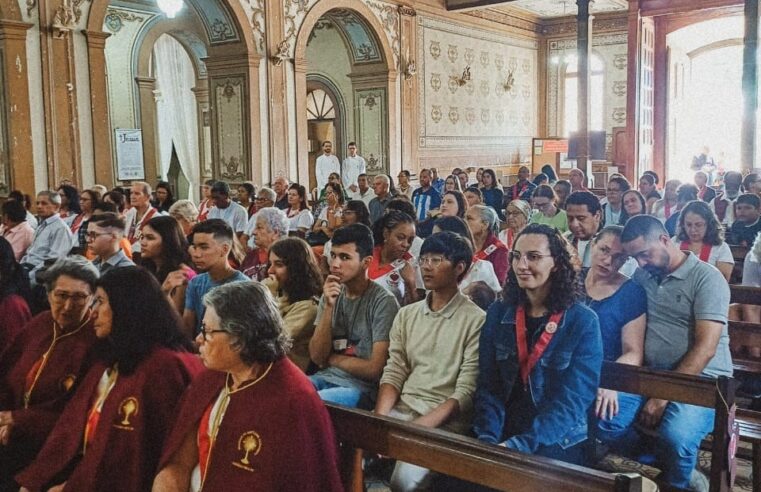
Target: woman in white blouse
[[700, 231], [300, 218]]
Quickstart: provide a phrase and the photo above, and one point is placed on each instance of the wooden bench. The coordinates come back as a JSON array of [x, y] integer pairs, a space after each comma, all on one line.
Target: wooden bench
[[460, 457], [718, 394], [741, 294], [744, 333], [738, 253]]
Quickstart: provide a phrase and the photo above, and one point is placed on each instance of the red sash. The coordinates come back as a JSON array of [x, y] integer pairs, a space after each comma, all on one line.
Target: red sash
[[705, 250], [376, 270], [135, 231], [486, 252], [203, 210], [77, 223], [517, 194], [204, 441], [93, 417], [527, 362]]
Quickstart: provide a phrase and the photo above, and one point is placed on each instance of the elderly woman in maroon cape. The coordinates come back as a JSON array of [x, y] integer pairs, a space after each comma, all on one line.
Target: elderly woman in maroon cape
[[112, 431], [43, 364], [253, 420]]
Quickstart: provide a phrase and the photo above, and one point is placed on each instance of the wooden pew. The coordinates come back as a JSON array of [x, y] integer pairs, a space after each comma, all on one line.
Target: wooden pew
[[461, 457], [738, 253], [745, 295], [718, 394]]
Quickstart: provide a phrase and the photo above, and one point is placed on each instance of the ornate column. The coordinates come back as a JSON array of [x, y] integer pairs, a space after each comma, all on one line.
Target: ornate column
[[146, 87], [201, 91], [277, 79], [101, 120], [14, 91], [583, 45], [59, 90], [410, 85], [750, 86]]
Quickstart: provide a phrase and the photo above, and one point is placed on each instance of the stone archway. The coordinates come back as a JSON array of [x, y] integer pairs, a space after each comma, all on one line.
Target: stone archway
[[385, 79], [233, 72]]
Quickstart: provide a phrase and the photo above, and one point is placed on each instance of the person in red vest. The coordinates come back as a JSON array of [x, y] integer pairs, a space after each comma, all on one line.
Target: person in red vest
[[44, 363], [252, 421], [111, 433]]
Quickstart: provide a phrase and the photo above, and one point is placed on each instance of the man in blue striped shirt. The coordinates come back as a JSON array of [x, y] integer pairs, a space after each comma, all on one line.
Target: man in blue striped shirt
[[425, 198]]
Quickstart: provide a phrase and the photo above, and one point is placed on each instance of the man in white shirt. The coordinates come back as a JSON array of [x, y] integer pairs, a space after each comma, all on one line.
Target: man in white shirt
[[354, 166], [584, 218], [327, 163], [224, 208], [364, 192], [52, 238]]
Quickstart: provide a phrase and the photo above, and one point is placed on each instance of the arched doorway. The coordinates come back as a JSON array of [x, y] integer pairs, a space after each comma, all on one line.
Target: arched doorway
[[217, 31], [343, 41], [326, 121]]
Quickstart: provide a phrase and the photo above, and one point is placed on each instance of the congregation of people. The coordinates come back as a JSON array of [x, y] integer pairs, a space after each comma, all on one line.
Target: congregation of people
[[149, 343]]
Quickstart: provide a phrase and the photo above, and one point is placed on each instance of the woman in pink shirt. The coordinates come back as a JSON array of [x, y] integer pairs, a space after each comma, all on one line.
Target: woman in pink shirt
[[16, 230]]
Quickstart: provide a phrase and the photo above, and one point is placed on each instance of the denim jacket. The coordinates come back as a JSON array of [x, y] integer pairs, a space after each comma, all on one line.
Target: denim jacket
[[563, 383]]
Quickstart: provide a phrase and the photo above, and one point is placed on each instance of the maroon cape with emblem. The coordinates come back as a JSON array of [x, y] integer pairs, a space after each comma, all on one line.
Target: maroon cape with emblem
[[134, 421], [275, 435], [69, 360]]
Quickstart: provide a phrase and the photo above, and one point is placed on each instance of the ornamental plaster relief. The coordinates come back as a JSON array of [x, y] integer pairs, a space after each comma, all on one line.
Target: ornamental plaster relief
[[486, 109], [255, 13]]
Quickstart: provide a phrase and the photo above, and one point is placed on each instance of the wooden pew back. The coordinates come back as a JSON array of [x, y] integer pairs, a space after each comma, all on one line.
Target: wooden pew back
[[718, 394], [745, 295], [462, 457]]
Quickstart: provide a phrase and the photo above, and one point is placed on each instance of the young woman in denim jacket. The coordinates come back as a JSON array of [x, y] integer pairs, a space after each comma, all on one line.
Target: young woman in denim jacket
[[540, 354]]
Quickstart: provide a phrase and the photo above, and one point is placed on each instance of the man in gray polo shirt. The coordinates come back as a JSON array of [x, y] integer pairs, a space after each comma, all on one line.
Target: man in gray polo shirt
[[688, 301]]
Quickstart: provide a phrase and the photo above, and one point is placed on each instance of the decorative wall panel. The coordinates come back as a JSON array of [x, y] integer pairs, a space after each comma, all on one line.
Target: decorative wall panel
[[217, 22], [126, 26], [371, 108], [612, 50], [255, 11], [477, 88], [231, 153]]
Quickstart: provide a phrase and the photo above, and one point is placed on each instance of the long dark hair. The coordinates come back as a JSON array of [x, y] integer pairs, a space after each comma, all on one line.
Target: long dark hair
[[174, 247], [642, 204], [490, 172], [563, 283], [461, 202], [72, 196], [12, 277], [142, 318], [302, 192], [304, 277], [360, 208]]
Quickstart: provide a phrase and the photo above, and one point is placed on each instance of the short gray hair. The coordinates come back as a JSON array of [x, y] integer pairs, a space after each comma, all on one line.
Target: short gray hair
[[276, 219], [185, 209], [249, 313], [77, 267], [269, 193], [488, 216], [53, 196], [383, 178]]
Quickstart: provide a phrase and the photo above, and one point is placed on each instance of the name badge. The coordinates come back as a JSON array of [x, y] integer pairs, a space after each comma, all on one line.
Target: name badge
[[340, 344]]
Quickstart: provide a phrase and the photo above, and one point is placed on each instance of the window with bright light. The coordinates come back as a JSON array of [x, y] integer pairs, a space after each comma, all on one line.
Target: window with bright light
[[571, 95]]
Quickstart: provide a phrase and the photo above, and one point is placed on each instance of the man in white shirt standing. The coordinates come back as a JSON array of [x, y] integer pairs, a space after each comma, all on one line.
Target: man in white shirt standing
[[327, 163], [353, 166]]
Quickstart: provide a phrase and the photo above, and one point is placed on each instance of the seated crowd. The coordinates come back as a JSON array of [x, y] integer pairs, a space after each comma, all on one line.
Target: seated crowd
[[148, 343]]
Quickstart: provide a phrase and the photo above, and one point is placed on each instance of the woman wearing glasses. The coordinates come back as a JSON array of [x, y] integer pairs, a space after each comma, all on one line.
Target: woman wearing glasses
[[483, 224], [43, 364], [517, 213], [621, 306], [700, 232], [540, 354], [252, 421], [120, 414], [545, 202]]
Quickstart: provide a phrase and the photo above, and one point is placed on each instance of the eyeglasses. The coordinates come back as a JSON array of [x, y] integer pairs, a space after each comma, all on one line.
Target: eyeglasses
[[530, 257], [613, 190], [514, 214], [63, 297], [96, 302], [260, 199], [205, 333], [434, 261]]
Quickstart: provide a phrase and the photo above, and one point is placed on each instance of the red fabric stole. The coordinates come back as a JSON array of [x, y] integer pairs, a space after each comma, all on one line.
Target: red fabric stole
[[527, 362], [517, 194], [204, 440], [705, 250], [77, 223], [203, 210], [93, 416], [376, 270], [137, 227], [486, 252]]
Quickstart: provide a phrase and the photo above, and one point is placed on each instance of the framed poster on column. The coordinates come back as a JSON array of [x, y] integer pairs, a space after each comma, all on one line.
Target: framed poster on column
[[129, 154]]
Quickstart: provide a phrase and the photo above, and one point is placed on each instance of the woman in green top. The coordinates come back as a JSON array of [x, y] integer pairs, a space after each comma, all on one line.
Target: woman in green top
[[547, 211]]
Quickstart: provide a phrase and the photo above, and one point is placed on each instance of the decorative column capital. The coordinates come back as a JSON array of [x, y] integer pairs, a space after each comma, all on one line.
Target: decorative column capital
[[14, 30], [407, 11], [96, 39]]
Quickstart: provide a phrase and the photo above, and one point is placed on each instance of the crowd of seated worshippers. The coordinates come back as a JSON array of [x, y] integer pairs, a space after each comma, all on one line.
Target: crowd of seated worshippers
[[486, 313]]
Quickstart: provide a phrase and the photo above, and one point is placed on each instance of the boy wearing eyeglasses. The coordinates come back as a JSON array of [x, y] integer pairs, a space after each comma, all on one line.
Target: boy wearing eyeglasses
[[430, 376], [104, 236]]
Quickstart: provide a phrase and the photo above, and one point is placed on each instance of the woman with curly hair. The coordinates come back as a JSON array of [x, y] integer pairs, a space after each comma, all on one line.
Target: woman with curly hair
[[297, 288], [540, 354], [700, 231]]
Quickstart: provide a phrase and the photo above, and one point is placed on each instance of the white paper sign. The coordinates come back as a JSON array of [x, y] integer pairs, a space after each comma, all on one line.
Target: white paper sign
[[129, 154]]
